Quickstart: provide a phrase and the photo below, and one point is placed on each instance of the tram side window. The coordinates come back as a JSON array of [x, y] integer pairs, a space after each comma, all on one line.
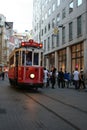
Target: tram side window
[[11, 61], [23, 57], [36, 58], [19, 58], [29, 58], [41, 62]]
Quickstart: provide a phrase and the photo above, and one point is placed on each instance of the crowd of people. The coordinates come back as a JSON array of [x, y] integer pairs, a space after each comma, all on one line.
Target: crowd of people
[[64, 79], [60, 78]]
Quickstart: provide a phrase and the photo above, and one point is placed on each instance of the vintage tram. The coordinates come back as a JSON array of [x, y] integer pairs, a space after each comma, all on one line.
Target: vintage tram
[[25, 65]]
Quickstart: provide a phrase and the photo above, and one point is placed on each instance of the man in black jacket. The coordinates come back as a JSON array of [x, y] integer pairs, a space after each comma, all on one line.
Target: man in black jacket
[[61, 78]]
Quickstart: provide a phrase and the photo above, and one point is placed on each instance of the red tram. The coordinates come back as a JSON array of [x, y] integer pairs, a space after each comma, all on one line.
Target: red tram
[[25, 65]]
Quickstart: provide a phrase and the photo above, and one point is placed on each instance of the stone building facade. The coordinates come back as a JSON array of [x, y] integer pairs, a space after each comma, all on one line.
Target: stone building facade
[[2, 40], [6, 30], [62, 28]]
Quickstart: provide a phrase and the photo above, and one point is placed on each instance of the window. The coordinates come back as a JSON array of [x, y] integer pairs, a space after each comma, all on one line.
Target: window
[[42, 32], [77, 56], [63, 13], [37, 26], [57, 40], [58, 19], [46, 2], [58, 2], [23, 57], [39, 35], [53, 7], [11, 61], [42, 19], [52, 41], [19, 58], [48, 43], [71, 7], [45, 29], [46, 16], [48, 26], [79, 2], [36, 59], [44, 45], [29, 58], [79, 26], [70, 31], [63, 35], [53, 23], [52, 59], [49, 12], [42, 7], [62, 59]]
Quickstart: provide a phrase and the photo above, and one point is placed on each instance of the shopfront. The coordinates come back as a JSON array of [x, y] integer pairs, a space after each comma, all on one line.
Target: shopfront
[[62, 59], [67, 58], [77, 58]]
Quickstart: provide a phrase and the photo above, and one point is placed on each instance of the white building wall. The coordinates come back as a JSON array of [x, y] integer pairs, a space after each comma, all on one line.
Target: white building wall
[[77, 11]]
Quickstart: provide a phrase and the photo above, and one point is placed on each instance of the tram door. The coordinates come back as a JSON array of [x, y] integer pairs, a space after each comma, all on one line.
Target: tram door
[[16, 67]]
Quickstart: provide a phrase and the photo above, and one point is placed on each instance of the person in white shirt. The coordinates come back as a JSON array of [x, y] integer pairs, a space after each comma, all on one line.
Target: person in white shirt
[[76, 78], [45, 77]]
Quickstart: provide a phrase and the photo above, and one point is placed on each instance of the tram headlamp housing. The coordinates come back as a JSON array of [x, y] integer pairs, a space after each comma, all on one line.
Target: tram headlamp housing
[[32, 76]]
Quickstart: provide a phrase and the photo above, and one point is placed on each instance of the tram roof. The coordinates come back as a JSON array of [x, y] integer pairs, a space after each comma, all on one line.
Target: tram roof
[[30, 48], [31, 43]]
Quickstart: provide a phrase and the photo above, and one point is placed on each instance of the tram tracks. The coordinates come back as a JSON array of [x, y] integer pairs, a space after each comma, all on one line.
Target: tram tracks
[[62, 102], [46, 103]]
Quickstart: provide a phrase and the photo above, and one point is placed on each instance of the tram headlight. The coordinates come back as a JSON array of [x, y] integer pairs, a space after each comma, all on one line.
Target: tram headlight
[[32, 76]]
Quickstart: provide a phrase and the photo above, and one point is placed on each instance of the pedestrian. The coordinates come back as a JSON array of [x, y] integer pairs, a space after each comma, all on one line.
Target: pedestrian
[[76, 78], [66, 79], [69, 79], [53, 77], [82, 79], [61, 78], [3, 75], [0, 75], [48, 78], [72, 78], [45, 77]]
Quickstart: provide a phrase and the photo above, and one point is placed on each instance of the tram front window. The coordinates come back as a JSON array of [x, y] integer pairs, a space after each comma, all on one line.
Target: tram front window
[[36, 58], [29, 58]]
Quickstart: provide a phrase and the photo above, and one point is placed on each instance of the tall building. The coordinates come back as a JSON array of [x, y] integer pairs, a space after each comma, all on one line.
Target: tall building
[[6, 30], [37, 17], [3, 50], [62, 28]]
